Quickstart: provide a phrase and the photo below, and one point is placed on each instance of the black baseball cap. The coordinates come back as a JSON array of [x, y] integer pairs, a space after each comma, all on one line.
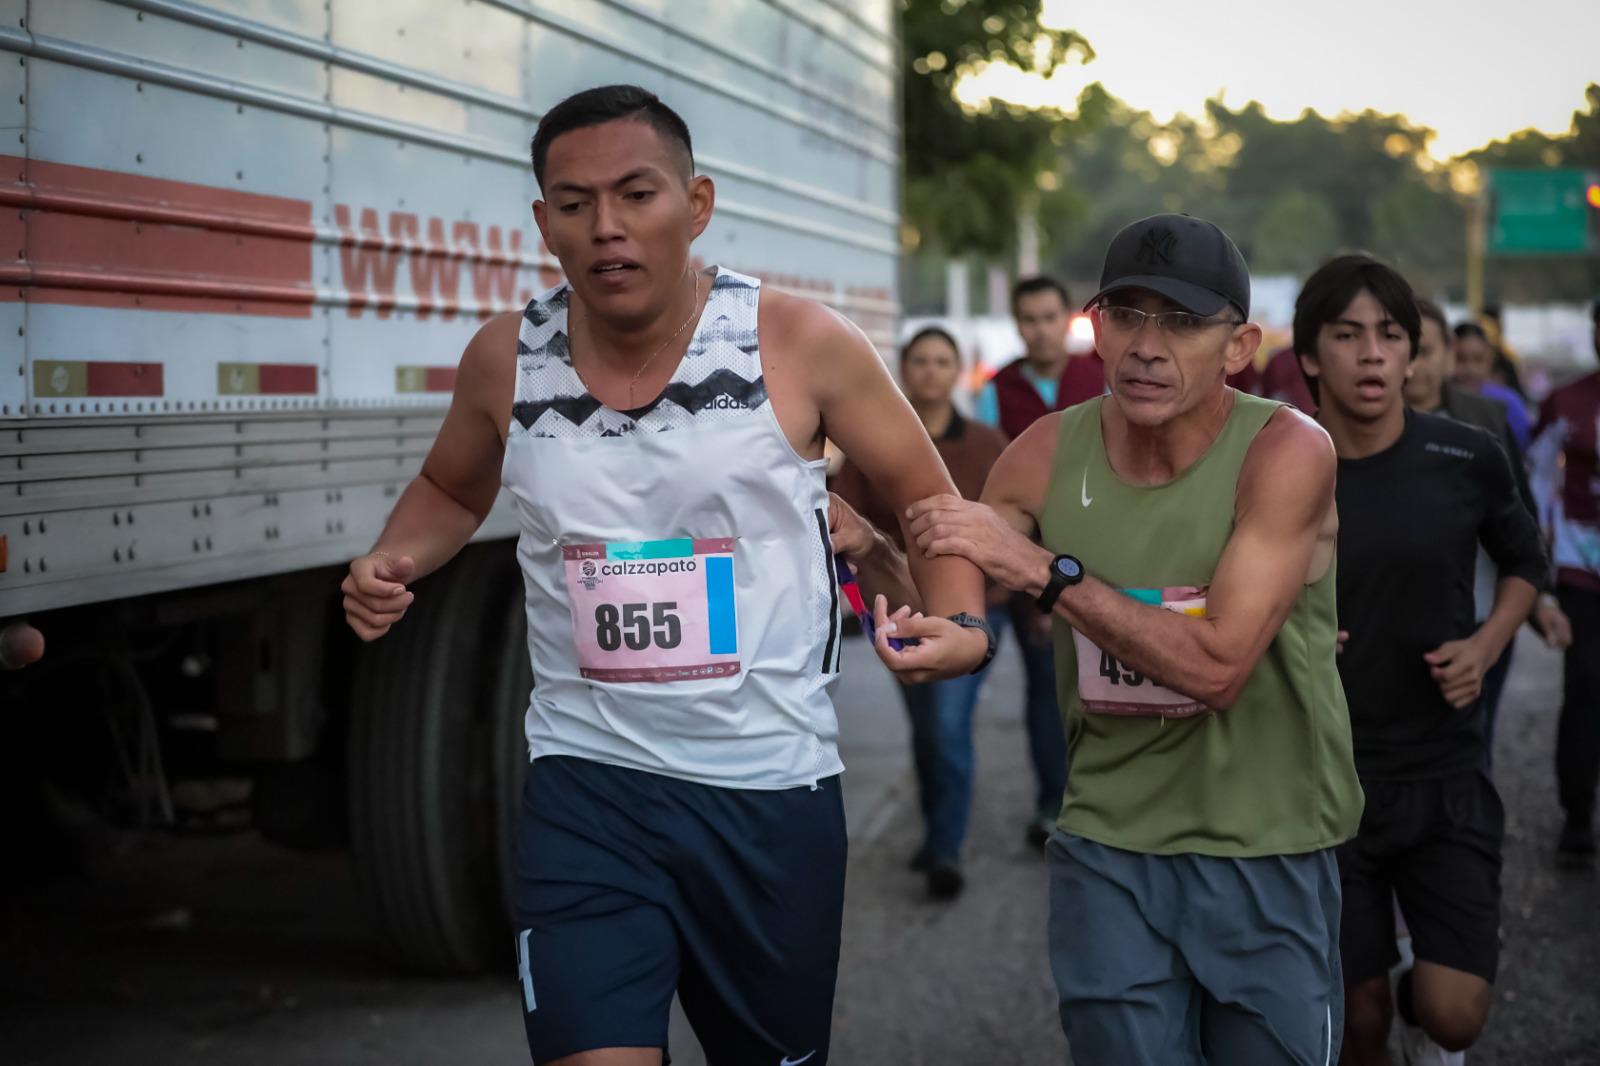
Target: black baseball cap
[[1188, 260]]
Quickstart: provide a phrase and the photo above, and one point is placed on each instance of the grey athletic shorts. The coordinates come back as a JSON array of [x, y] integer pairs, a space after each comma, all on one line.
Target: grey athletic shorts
[[1178, 960]]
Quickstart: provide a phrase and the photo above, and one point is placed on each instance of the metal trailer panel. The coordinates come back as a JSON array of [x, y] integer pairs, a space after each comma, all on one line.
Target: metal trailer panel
[[258, 233], [13, 235], [13, 383], [102, 101]]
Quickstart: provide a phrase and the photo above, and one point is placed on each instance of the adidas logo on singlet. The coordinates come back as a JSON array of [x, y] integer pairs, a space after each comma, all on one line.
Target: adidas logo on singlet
[[724, 402]]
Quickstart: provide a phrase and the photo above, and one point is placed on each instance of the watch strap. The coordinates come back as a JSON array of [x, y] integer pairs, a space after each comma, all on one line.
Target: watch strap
[[972, 621], [1057, 584]]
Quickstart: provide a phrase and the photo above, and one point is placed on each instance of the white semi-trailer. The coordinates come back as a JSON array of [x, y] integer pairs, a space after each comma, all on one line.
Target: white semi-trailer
[[242, 245]]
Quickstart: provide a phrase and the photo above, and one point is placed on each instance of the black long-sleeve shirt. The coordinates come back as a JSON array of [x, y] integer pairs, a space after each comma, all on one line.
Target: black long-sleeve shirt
[[1410, 520]]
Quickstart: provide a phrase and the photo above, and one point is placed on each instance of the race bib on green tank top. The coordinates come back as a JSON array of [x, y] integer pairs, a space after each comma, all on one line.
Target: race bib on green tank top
[[654, 610], [1109, 686]]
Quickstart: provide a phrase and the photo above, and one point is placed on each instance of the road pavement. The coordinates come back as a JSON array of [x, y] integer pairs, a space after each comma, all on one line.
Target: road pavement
[[226, 949]]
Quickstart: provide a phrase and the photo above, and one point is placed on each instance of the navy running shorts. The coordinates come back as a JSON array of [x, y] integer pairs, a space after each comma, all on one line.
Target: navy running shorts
[[630, 886]]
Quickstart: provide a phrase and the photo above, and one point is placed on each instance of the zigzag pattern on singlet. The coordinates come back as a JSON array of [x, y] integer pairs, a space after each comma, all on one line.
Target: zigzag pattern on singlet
[[719, 378]]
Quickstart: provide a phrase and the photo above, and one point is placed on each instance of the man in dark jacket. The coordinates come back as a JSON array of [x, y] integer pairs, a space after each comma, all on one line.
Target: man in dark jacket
[[1045, 377]]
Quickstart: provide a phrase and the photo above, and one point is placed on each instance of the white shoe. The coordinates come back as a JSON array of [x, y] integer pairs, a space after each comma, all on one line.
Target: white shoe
[[1416, 1049]]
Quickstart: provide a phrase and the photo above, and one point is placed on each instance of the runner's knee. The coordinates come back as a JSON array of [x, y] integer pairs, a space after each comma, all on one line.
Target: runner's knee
[[1368, 1012], [1455, 1024], [1450, 1005]]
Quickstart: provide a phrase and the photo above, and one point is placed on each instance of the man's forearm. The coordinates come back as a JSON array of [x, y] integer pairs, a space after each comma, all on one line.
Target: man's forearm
[[1166, 647], [946, 585], [428, 524], [884, 571], [1513, 602], [1171, 649]]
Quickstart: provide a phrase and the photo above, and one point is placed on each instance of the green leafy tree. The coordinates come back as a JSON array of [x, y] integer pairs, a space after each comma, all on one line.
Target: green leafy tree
[[1290, 192], [1349, 162], [969, 170], [1294, 233], [1419, 225], [1122, 166]]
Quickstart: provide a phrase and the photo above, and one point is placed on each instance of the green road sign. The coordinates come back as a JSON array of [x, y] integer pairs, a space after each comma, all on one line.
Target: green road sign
[[1539, 212]]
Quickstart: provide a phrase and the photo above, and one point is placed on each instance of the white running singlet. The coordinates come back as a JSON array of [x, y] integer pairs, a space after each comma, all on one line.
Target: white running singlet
[[682, 613]]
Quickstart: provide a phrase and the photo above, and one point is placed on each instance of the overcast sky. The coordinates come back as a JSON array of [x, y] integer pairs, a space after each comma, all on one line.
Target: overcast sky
[[1471, 70]]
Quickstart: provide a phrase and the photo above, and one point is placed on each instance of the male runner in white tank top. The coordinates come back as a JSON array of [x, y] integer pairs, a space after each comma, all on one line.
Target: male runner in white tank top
[[660, 430]]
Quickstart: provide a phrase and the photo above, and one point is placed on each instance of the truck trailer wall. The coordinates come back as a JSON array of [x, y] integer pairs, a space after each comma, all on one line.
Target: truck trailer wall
[[251, 238]]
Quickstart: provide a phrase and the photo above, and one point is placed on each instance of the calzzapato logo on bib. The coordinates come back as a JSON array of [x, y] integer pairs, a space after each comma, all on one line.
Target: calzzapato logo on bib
[[653, 610], [1108, 686]]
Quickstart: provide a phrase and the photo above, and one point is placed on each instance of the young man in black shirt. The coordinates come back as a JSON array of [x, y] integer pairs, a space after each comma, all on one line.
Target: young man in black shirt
[[1416, 495]]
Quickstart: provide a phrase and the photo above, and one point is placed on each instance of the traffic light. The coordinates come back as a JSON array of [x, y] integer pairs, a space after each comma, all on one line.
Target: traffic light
[[1591, 196]]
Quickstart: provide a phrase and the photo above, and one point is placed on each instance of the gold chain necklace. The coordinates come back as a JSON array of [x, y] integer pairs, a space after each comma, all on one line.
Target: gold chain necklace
[[694, 307]]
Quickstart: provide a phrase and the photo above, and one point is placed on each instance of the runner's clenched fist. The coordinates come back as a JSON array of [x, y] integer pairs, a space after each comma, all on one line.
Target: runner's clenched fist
[[375, 593]]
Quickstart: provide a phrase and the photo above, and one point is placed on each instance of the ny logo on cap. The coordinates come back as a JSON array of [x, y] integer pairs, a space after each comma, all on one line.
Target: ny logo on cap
[[1157, 243]]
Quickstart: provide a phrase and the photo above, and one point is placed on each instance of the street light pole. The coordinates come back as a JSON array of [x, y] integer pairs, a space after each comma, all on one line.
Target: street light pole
[[1477, 247]]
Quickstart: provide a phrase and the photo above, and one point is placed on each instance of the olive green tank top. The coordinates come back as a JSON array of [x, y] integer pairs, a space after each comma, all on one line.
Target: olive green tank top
[[1153, 770]]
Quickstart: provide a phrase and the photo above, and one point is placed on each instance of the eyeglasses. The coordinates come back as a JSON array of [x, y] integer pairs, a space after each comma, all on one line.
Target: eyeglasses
[[1178, 324]]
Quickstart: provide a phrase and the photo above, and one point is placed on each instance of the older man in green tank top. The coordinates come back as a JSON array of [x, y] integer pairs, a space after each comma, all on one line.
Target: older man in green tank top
[[1182, 534]]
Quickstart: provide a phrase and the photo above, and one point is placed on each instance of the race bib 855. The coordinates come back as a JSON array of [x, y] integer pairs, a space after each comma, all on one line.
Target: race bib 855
[[654, 610]]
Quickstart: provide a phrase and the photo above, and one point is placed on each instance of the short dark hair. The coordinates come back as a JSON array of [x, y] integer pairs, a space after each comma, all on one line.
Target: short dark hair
[[1471, 329], [1429, 309], [608, 103], [1329, 290], [930, 331], [1038, 283]]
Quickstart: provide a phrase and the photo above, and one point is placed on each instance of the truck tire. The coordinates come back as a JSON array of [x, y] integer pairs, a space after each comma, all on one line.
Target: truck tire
[[436, 764]]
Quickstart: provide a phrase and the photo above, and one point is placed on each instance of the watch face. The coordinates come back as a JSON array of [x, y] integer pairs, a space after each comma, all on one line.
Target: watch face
[[1068, 567]]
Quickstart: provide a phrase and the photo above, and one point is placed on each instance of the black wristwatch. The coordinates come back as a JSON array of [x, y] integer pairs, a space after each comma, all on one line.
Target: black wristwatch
[[972, 621], [1064, 570]]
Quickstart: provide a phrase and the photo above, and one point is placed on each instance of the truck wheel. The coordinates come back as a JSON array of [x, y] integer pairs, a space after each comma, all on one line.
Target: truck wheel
[[436, 758]]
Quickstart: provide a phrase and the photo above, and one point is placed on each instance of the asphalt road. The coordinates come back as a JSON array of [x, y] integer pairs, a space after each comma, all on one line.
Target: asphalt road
[[228, 950]]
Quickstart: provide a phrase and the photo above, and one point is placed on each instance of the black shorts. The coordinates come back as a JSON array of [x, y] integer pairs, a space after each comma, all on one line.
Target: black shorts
[[631, 886], [1435, 846]]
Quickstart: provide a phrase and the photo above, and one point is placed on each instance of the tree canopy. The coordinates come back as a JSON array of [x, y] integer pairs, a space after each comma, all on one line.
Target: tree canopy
[[1290, 192], [968, 170]]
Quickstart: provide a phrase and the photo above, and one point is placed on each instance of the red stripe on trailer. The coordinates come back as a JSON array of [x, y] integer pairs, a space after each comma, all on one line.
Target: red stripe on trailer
[[105, 238], [288, 379], [124, 379], [119, 194], [39, 293]]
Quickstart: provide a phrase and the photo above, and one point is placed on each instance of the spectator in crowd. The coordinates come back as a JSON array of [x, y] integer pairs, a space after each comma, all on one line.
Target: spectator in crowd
[[1507, 366], [1281, 380], [1567, 482], [1475, 361], [1043, 379], [940, 711], [1428, 389]]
